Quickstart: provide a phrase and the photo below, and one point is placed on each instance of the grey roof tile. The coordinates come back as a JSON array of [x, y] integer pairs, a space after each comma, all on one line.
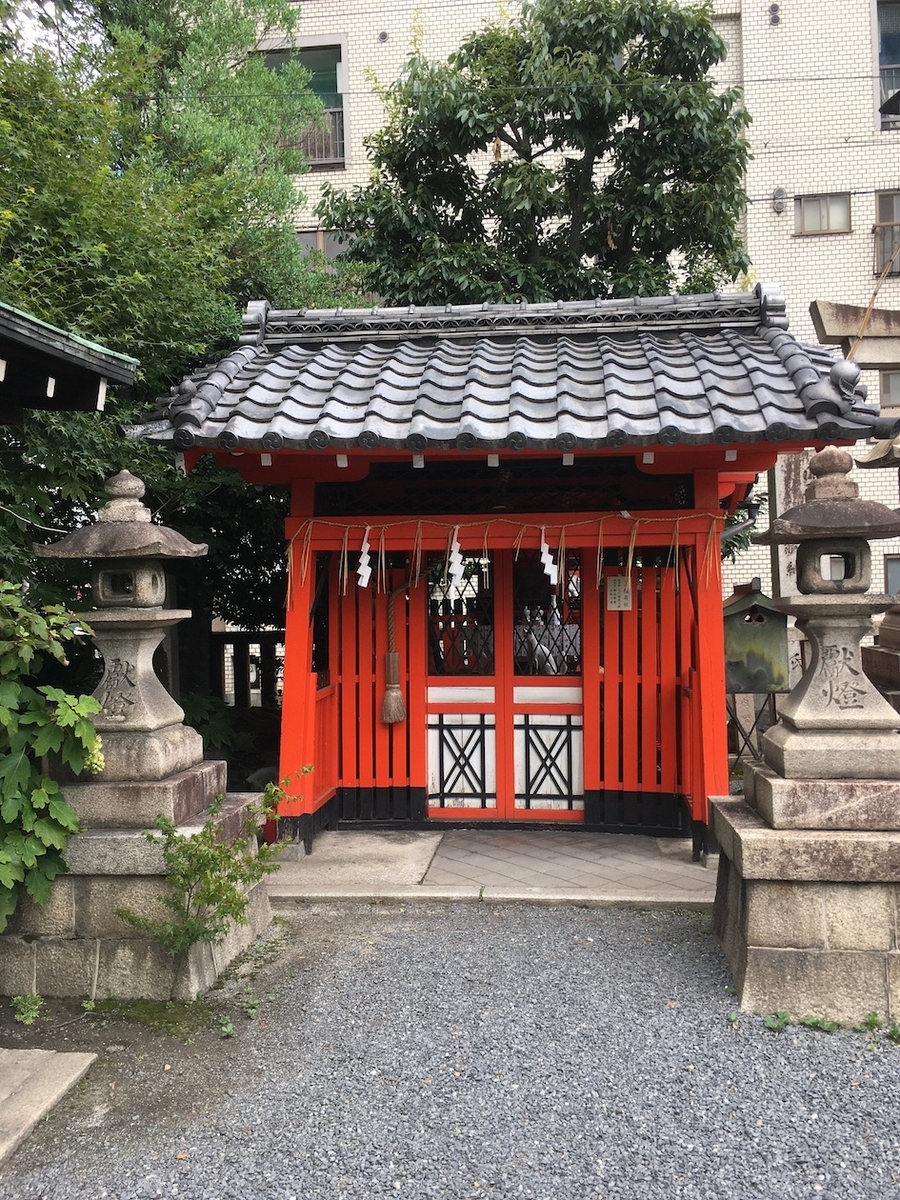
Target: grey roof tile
[[715, 368]]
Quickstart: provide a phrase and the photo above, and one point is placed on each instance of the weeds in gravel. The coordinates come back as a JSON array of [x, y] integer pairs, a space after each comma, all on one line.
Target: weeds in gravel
[[870, 1024], [777, 1021], [28, 1009], [821, 1023], [249, 1004], [226, 1026]]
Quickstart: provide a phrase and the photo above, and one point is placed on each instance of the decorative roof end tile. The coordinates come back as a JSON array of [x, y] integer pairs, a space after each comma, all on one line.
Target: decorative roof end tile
[[253, 324]]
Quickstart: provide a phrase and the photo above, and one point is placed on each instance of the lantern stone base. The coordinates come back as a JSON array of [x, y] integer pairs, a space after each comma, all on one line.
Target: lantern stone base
[[149, 755], [76, 945], [832, 753], [808, 918], [822, 803], [128, 804]]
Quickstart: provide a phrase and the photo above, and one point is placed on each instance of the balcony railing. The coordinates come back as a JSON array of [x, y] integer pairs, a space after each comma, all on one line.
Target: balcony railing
[[887, 247], [323, 143]]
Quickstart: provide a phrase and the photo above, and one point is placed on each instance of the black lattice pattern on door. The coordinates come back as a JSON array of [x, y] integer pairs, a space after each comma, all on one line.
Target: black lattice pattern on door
[[549, 759], [462, 762], [547, 634]]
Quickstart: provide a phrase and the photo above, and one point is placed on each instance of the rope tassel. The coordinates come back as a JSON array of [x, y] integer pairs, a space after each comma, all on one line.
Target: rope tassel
[[393, 710]]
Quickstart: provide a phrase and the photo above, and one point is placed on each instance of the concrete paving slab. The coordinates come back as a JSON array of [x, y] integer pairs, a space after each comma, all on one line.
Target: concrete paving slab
[[540, 866], [32, 1082], [349, 859]]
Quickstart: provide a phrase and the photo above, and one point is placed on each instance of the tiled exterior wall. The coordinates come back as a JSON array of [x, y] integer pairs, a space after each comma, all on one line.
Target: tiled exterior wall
[[811, 84], [371, 61]]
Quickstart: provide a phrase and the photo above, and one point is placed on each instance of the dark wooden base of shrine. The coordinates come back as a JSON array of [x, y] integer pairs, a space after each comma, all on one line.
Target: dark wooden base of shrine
[[664, 816]]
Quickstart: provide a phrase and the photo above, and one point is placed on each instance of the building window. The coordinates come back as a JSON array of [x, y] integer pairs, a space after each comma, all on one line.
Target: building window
[[322, 143], [889, 62], [323, 240], [887, 232], [890, 392], [822, 214], [892, 574]]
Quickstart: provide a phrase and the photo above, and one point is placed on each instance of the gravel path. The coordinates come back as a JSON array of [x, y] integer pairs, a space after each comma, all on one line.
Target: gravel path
[[477, 1051]]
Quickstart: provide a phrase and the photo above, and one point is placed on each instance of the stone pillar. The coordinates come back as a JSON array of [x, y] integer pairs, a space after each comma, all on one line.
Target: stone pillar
[[76, 945], [809, 873]]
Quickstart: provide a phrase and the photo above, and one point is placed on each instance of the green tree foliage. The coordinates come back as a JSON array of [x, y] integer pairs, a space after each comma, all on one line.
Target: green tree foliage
[[147, 188], [580, 152], [242, 579], [36, 720]]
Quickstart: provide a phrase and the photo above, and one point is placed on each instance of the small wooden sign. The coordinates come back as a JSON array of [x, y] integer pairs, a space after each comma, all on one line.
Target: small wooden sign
[[618, 593]]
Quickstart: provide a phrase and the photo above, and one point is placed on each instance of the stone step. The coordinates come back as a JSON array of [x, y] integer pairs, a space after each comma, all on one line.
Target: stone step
[[31, 1083]]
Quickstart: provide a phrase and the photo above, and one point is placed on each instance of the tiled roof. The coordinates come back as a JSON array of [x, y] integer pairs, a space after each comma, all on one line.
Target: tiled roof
[[693, 369]]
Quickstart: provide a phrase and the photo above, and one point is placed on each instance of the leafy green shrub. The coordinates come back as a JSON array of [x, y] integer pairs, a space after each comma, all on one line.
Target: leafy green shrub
[[208, 880], [36, 721], [211, 717], [28, 1009]]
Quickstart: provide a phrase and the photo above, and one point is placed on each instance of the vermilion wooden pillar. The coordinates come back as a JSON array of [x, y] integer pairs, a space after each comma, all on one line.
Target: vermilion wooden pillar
[[709, 775]]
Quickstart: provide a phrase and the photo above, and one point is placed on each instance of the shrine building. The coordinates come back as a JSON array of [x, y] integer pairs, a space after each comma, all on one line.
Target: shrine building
[[504, 598]]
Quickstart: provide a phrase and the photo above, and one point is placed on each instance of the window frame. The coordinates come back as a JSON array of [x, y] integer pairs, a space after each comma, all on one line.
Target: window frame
[[802, 201], [886, 234], [888, 73], [324, 241], [884, 388], [272, 45]]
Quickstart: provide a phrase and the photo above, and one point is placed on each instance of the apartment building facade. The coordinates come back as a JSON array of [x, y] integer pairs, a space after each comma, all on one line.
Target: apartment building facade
[[824, 189], [823, 183]]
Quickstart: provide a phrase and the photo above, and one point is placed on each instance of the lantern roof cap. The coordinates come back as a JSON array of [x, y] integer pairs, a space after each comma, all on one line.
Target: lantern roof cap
[[123, 530], [832, 508]]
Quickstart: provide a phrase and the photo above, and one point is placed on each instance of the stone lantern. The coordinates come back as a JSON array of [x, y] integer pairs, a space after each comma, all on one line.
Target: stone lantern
[[141, 725], [78, 944], [809, 871], [834, 724]]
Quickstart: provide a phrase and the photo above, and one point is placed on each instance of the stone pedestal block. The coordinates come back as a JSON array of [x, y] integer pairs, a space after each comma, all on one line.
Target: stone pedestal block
[[872, 804], [76, 945], [124, 965], [127, 804], [808, 919]]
